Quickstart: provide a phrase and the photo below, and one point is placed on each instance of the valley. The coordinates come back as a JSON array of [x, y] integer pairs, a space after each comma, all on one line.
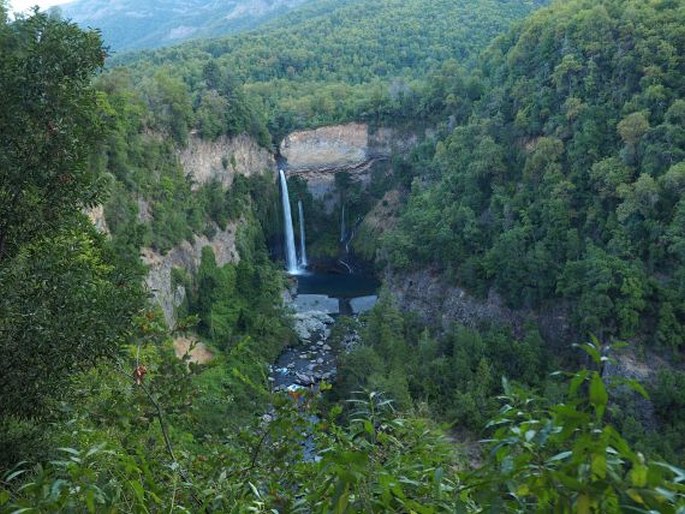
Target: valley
[[419, 256]]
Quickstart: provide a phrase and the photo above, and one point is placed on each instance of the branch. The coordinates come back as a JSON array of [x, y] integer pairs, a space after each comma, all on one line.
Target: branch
[[165, 434]]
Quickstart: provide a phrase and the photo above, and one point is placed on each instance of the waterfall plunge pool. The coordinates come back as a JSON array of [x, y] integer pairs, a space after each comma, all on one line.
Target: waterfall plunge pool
[[335, 294], [336, 285]]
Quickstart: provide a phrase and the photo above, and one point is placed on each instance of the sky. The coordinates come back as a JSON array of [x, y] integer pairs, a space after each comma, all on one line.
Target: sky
[[22, 5]]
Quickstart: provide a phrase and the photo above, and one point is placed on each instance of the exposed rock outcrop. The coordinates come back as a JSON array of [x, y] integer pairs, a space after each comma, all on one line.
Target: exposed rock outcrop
[[439, 304], [203, 161], [317, 155], [186, 256], [97, 217], [197, 351], [223, 159], [623, 365], [339, 147]]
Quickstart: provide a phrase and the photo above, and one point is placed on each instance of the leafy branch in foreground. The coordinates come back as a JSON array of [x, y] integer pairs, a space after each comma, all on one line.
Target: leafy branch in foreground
[[567, 458]]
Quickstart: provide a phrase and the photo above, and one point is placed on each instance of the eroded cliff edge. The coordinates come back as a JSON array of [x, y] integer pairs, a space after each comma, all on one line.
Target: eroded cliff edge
[[203, 162], [317, 155], [224, 158]]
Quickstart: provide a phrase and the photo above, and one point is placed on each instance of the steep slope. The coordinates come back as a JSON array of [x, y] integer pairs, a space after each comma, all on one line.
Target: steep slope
[[129, 25], [567, 183]]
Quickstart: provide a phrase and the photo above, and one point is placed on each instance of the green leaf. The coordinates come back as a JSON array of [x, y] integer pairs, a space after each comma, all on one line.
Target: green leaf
[[583, 504], [14, 475], [638, 475], [577, 381], [69, 450], [592, 349], [560, 456], [638, 388], [506, 387], [599, 466]]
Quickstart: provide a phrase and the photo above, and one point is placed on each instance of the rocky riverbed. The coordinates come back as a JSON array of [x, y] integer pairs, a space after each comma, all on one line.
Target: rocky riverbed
[[313, 359], [310, 362]]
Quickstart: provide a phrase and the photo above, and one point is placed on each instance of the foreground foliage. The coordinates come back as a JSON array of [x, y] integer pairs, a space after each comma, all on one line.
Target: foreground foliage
[[67, 301], [560, 457]]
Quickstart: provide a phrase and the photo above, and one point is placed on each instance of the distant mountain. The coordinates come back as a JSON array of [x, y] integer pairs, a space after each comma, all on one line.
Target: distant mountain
[[137, 24]]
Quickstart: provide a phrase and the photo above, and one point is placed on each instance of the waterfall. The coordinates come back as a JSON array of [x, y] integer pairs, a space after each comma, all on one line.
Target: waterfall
[[349, 268], [303, 248], [290, 255], [342, 224]]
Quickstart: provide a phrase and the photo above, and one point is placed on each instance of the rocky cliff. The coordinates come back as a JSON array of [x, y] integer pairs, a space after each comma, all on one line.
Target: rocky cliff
[[186, 256], [317, 155], [223, 158], [97, 217]]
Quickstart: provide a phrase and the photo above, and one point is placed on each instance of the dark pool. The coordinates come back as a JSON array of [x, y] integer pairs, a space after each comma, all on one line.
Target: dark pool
[[337, 286]]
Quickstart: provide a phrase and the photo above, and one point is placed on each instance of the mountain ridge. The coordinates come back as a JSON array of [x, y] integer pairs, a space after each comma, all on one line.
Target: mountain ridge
[[134, 25]]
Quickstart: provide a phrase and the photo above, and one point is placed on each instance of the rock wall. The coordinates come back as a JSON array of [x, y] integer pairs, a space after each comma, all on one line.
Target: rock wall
[[223, 158], [439, 304], [339, 147], [317, 155], [187, 256], [203, 161], [97, 217]]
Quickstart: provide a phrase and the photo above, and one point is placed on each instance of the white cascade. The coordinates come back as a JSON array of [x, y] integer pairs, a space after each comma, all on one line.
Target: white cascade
[[303, 248], [290, 254]]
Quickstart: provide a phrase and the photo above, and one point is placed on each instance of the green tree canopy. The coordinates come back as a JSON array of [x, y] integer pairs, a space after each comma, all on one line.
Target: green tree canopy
[[64, 302]]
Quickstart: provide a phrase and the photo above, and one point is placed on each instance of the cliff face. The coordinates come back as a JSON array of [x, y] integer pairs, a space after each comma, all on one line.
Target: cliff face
[[317, 155], [339, 147], [186, 256], [203, 161], [223, 158], [439, 304], [97, 217]]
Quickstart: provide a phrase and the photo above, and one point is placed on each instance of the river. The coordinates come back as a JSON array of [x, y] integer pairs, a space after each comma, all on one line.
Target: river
[[317, 301]]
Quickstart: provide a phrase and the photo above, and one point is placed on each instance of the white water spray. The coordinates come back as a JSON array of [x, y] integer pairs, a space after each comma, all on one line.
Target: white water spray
[[290, 254]]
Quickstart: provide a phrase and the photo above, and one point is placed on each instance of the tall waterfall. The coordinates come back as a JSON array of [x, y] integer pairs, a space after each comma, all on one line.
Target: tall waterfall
[[342, 224], [290, 255], [303, 248]]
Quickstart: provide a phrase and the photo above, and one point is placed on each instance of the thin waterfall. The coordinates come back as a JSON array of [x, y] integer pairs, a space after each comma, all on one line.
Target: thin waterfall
[[290, 255], [342, 224], [303, 248]]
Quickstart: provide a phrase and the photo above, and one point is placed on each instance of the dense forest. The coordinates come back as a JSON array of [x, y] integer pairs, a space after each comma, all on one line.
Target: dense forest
[[553, 177], [335, 62]]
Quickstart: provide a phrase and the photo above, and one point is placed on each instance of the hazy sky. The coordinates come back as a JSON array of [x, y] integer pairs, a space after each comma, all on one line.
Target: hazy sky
[[22, 5]]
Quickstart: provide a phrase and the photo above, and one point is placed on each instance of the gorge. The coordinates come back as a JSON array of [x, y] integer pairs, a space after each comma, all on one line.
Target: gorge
[[403, 256]]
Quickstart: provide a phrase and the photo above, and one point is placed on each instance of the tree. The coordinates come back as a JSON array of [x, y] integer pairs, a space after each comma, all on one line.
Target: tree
[[566, 457], [65, 301], [49, 122]]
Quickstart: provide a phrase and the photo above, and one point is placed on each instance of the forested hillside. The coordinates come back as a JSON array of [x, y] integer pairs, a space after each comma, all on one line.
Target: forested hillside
[[567, 181], [562, 192], [342, 61], [548, 172]]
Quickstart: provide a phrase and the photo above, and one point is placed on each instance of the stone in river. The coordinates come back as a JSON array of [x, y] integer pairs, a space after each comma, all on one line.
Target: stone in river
[[304, 379]]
